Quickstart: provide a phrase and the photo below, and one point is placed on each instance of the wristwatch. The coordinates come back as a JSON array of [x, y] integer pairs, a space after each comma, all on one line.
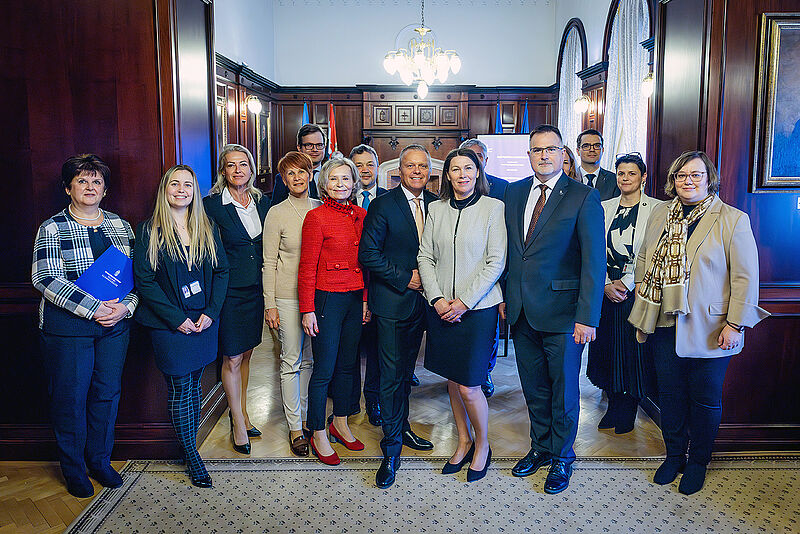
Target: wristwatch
[[735, 326]]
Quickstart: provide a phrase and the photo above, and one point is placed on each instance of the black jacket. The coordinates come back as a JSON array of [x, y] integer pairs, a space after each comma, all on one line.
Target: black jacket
[[388, 249], [160, 297], [245, 254]]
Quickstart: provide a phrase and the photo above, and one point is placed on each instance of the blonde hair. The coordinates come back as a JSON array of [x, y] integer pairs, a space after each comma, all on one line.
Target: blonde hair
[[328, 168], [164, 232], [221, 182]]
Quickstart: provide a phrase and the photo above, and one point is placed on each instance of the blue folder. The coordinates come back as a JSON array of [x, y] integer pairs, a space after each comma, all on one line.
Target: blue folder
[[109, 277]]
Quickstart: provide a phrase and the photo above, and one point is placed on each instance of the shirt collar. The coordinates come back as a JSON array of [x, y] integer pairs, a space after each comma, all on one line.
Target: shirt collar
[[551, 183], [584, 172], [409, 195], [227, 198]]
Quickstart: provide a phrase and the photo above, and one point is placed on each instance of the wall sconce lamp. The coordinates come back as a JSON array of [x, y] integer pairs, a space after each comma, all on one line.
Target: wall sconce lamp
[[253, 104], [581, 104]]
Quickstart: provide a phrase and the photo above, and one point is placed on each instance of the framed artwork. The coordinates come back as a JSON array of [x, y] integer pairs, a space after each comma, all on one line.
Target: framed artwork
[[427, 115], [777, 128], [382, 116], [405, 115], [263, 140], [448, 115]]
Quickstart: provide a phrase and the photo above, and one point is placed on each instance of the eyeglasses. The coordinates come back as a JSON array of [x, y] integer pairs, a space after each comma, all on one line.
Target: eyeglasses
[[681, 177], [548, 150], [593, 146], [629, 154], [313, 146]]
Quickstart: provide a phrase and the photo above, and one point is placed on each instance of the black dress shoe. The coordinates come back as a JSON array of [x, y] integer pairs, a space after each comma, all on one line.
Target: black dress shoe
[[669, 469], [473, 475], [558, 477], [414, 380], [531, 463], [374, 413], [106, 476], [386, 472], [80, 487], [449, 468], [488, 386], [253, 432], [413, 441], [202, 481]]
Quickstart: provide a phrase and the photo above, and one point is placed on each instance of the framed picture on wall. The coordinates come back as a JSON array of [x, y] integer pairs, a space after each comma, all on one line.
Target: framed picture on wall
[[263, 144], [775, 163]]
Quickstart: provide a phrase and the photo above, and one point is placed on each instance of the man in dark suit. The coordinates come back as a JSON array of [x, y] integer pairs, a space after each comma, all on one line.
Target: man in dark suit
[[497, 189], [366, 161], [311, 142], [388, 249], [554, 289], [590, 150]]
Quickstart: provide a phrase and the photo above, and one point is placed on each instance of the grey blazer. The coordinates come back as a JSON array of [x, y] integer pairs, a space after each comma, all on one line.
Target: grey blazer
[[723, 278], [462, 255]]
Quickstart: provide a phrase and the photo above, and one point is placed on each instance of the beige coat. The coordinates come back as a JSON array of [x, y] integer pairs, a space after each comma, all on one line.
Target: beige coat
[[723, 278]]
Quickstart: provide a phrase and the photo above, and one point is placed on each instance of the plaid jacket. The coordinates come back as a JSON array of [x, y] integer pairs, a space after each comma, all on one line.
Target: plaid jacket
[[62, 252]]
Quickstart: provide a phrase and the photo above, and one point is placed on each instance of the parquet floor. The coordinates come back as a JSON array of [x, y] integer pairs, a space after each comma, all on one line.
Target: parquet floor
[[33, 498]]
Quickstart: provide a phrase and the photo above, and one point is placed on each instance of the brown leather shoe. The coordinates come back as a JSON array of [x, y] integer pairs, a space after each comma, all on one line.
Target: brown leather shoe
[[299, 445]]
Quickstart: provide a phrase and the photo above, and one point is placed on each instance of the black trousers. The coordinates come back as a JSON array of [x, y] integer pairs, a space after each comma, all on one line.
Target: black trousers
[[549, 365], [690, 397], [335, 350], [398, 347], [84, 374], [183, 404], [368, 348]]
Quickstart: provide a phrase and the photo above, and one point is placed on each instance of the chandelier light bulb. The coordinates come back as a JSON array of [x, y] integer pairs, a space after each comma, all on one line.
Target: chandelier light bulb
[[648, 84], [422, 89], [389, 63], [442, 74], [406, 76], [455, 63]]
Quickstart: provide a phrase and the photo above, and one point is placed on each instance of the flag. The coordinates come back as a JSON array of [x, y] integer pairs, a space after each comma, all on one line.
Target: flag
[[332, 144], [525, 128], [306, 120], [498, 121]]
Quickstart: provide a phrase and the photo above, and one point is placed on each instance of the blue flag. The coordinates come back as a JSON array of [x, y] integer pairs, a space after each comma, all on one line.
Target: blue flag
[[306, 120], [498, 121], [525, 128]]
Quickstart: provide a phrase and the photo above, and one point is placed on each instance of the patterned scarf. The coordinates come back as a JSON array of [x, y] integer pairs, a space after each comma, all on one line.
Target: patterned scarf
[[663, 288]]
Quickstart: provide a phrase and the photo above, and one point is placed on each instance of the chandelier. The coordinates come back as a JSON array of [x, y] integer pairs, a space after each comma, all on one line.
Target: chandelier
[[417, 59]]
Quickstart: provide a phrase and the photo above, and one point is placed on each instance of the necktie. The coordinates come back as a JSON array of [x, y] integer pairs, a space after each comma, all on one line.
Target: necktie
[[365, 203], [590, 178], [419, 220], [537, 210]]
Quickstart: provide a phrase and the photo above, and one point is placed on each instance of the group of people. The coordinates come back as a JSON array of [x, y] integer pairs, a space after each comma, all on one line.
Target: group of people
[[574, 254]]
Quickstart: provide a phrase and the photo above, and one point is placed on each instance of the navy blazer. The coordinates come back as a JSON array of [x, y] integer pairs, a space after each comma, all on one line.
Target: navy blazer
[[280, 192], [245, 254], [497, 187], [388, 249], [160, 297], [606, 184], [558, 277]]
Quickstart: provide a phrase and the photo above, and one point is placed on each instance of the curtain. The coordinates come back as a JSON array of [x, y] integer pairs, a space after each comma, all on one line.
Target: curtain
[[625, 122], [569, 89]]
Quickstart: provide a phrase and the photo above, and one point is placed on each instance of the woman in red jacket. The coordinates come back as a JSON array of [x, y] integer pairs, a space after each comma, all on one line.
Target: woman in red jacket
[[331, 286]]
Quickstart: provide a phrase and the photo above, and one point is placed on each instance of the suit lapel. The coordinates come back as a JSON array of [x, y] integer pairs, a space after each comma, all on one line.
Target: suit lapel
[[519, 204], [703, 228], [405, 209], [550, 206], [237, 222]]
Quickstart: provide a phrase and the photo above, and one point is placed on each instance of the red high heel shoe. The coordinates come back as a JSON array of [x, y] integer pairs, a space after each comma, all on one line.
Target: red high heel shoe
[[332, 459], [336, 437]]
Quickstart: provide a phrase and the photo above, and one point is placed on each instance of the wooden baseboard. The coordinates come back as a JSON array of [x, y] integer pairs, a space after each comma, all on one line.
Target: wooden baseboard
[[154, 440]]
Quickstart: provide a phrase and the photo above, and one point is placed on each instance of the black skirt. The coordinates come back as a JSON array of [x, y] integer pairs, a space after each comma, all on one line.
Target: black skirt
[[616, 361], [241, 320], [460, 351]]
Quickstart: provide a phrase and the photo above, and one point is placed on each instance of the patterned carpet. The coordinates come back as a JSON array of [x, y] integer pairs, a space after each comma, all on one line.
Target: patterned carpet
[[303, 496]]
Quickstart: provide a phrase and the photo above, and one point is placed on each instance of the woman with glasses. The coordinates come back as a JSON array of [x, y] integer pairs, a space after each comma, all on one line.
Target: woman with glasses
[[696, 291], [616, 363]]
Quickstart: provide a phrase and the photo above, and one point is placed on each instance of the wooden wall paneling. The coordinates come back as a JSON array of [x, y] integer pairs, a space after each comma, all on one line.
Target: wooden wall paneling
[[112, 95]]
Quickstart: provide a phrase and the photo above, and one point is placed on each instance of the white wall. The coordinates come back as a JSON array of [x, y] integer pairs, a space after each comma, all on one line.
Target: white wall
[[243, 32], [500, 42], [593, 14]]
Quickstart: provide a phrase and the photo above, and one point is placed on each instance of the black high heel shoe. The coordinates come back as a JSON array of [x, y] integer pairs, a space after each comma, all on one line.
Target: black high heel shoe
[[241, 449], [473, 475], [202, 481], [449, 468]]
